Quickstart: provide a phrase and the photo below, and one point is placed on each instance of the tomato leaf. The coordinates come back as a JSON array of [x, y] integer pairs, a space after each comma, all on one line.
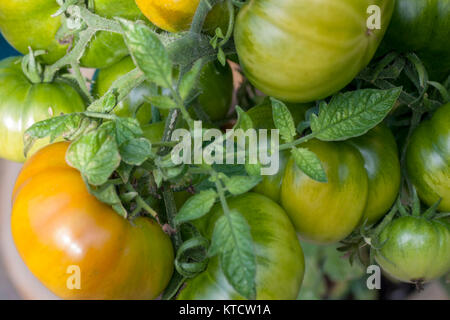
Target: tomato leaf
[[283, 120], [309, 163], [162, 102], [107, 193], [352, 114], [237, 185], [95, 155], [64, 125], [232, 240], [196, 206], [189, 80], [253, 170], [109, 101], [148, 52], [244, 121], [123, 129], [136, 151], [124, 171]]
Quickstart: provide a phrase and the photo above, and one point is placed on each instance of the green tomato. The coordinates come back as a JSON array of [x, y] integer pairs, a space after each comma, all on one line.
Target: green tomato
[[422, 26], [279, 257], [302, 50], [428, 159], [327, 212], [24, 103], [27, 23], [381, 161], [415, 249], [215, 84]]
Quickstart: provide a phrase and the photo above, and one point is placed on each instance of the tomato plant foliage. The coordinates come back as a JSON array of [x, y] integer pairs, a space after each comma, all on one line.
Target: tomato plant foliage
[[335, 152]]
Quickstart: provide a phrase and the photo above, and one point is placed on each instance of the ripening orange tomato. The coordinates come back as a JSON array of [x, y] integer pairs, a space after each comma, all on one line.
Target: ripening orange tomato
[[79, 247]]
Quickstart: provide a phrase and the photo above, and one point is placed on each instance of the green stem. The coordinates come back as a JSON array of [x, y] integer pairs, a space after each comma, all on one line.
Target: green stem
[[230, 24], [141, 202], [182, 108], [73, 57], [100, 115], [95, 23], [200, 15], [171, 210], [387, 219], [98, 23], [122, 87], [304, 139], [223, 201], [81, 81]]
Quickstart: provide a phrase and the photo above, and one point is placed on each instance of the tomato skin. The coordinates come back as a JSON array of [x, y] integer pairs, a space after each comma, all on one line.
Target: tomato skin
[[27, 23], [326, 212], [428, 159], [56, 223], [415, 249], [177, 15], [215, 83], [382, 164], [279, 257], [24, 103], [301, 50], [422, 26]]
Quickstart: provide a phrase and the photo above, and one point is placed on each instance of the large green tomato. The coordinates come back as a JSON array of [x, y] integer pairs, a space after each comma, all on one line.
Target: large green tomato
[[381, 161], [382, 167], [415, 249], [215, 83], [303, 50], [363, 182], [23, 103], [327, 212], [422, 26], [26, 23], [279, 257], [428, 159]]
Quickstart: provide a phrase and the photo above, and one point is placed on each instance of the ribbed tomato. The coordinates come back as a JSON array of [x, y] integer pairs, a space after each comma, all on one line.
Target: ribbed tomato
[[63, 233], [23, 103], [428, 159], [415, 249], [303, 50]]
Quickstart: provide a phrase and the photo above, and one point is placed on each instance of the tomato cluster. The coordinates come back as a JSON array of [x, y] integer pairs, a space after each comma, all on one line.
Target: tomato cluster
[[363, 183], [300, 52]]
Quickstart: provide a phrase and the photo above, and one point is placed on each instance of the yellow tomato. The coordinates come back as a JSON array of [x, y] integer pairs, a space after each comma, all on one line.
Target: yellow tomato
[[177, 15]]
